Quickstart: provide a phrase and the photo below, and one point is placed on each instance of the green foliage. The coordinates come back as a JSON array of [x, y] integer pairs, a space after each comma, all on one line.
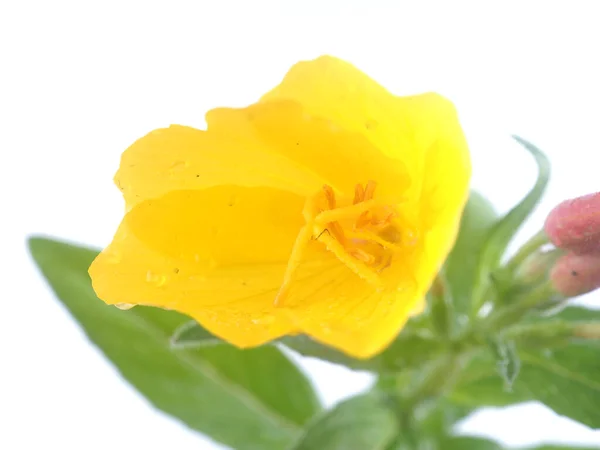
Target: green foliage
[[411, 348], [365, 422], [252, 400], [461, 267], [502, 232], [563, 376]]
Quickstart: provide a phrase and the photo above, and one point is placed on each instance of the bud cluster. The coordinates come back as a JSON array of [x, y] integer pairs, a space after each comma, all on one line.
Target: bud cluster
[[574, 226]]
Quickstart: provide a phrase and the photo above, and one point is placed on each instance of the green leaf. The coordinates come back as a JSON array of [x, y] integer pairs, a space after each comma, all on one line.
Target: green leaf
[[461, 266], [503, 231], [468, 443], [477, 443], [250, 400], [408, 350], [443, 418], [441, 307], [192, 335], [365, 422], [564, 378], [561, 447]]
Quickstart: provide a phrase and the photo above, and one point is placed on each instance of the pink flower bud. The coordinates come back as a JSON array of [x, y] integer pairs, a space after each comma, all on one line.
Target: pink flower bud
[[575, 224], [575, 275]]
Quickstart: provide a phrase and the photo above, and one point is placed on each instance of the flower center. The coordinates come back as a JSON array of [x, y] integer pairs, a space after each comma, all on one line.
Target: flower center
[[361, 234]]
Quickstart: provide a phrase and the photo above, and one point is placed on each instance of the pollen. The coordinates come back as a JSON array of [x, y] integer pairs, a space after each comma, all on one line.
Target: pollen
[[362, 233]]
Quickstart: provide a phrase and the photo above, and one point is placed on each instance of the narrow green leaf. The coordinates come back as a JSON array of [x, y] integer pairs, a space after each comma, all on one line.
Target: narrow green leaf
[[507, 360], [564, 378], [503, 231], [361, 423], [461, 266], [250, 400]]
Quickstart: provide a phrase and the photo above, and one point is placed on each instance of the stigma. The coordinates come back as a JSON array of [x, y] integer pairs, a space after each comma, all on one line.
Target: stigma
[[362, 232]]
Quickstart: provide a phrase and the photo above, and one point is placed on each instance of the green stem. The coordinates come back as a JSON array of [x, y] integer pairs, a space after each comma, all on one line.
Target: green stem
[[517, 309], [530, 247]]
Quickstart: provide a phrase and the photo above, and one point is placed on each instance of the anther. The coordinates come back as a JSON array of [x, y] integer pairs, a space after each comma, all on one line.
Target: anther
[[329, 196], [369, 190]]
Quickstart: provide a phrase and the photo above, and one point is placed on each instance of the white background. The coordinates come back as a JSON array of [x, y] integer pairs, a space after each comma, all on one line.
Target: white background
[[80, 81]]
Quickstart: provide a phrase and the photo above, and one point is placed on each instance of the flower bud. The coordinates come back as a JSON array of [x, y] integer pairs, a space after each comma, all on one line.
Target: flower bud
[[575, 224], [574, 275], [537, 266]]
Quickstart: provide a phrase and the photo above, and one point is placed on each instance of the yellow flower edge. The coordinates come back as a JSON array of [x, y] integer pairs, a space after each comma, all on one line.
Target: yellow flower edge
[[326, 208]]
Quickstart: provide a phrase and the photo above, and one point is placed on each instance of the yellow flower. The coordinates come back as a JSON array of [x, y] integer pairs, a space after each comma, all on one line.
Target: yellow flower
[[326, 208]]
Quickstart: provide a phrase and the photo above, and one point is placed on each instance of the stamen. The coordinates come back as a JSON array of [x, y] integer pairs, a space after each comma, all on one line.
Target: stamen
[[337, 232], [346, 212], [369, 236], [353, 264], [359, 194], [361, 235], [329, 196], [302, 240], [363, 256], [369, 190], [363, 219]]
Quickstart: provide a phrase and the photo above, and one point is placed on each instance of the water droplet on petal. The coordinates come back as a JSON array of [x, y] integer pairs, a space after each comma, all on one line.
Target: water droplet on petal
[[160, 280], [180, 165], [124, 306], [325, 329], [113, 257], [267, 319]]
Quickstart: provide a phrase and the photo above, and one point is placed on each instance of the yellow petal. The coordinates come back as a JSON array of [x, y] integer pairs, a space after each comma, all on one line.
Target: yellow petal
[[335, 90], [407, 129], [214, 215], [217, 254], [421, 131], [184, 158], [340, 157], [445, 176], [338, 308]]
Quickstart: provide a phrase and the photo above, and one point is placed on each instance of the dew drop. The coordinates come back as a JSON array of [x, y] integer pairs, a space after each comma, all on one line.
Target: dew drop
[[113, 257], [267, 319], [159, 280], [212, 263], [325, 329], [180, 165], [333, 127], [124, 306]]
